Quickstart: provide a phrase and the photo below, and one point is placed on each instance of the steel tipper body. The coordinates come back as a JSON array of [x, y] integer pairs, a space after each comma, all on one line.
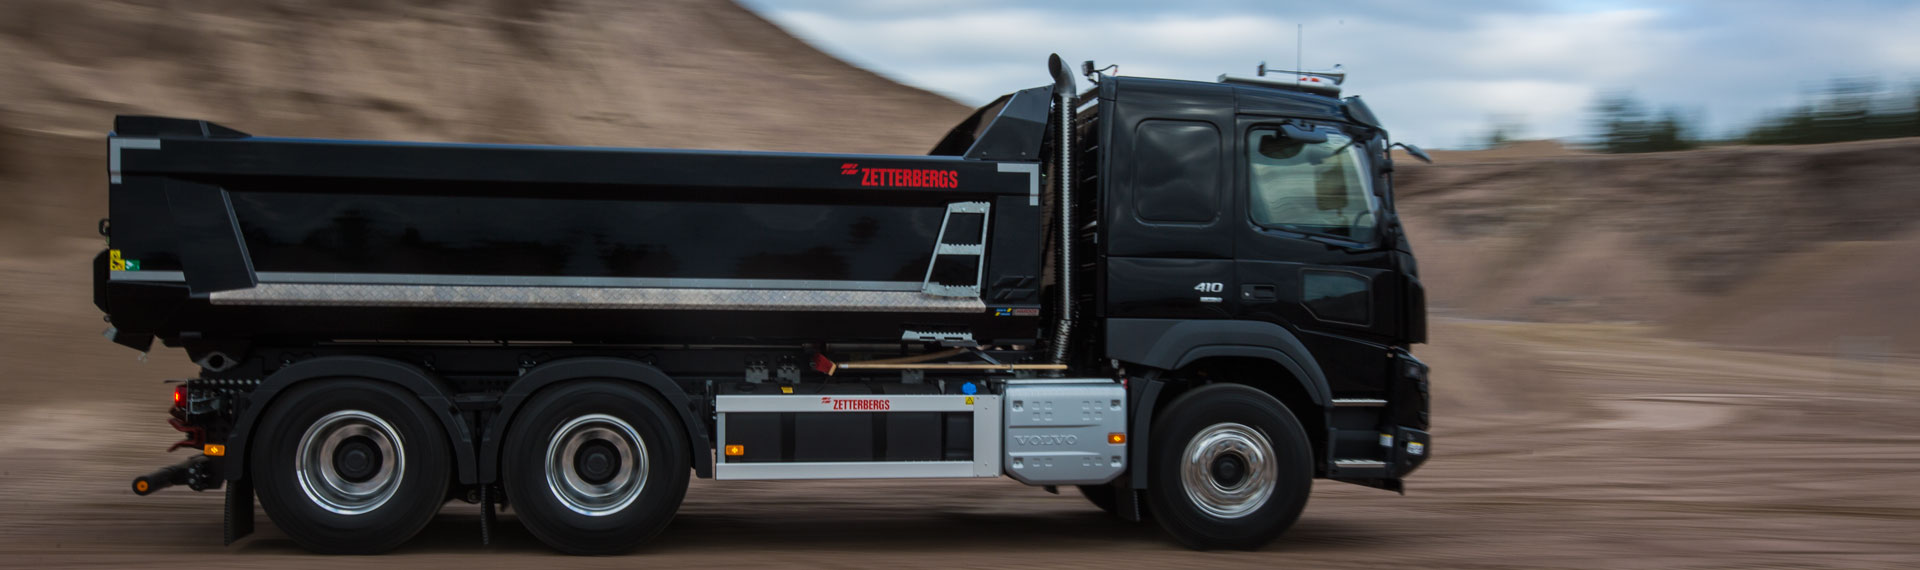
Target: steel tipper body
[[237, 237], [1189, 298]]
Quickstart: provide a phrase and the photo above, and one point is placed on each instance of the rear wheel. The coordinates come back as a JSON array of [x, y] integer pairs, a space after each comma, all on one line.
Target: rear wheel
[[595, 467], [350, 466], [1231, 468]]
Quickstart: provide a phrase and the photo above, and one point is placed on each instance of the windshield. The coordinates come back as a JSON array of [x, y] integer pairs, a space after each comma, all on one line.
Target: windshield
[[1319, 188]]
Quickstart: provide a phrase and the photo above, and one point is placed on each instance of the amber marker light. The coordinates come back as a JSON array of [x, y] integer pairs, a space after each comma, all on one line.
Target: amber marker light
[[1116, 438], [215, 449], [736, 450]]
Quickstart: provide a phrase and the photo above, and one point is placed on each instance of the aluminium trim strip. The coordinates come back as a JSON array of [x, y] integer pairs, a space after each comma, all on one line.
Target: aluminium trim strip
[[988, 427], [116, 144], [1033, 178], [360, 295], [822, 403], [1359, 463], [539, 281], [961, 249], [919, 366], [1358, 402], [845, 470]]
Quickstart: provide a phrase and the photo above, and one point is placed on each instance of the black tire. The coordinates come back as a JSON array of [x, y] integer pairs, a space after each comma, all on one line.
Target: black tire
[[585, 523], [1230, 419], [313, 510]]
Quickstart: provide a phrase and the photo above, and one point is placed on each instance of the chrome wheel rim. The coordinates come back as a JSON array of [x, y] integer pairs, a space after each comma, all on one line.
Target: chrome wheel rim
[[350, 462], [1229, 470], [596, 464]]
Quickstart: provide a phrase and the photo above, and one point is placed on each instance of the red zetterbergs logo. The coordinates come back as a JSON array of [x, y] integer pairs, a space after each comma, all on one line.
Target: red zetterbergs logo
[[902, 177], [858, 404]]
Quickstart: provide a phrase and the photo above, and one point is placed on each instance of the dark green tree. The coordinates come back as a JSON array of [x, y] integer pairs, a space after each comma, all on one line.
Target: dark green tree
[[1849, 109], [1625, 126]]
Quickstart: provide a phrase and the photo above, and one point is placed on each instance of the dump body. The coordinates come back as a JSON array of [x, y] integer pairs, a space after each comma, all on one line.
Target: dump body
[[244, 238]]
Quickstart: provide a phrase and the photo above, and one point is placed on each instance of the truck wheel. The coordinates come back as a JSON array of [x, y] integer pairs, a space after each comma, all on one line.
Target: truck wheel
[[350, 466], [1231, 468], [595, 467]]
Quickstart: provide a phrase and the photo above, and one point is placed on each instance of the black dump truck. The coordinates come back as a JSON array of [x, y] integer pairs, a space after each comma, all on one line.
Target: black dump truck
[[1187, 299]]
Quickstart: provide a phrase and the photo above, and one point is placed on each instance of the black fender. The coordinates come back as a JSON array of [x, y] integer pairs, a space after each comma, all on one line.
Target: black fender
[[592, 368], [1169, 344], [431, 392]]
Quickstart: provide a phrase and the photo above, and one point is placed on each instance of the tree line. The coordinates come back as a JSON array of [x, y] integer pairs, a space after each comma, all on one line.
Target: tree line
[[1848, 109]]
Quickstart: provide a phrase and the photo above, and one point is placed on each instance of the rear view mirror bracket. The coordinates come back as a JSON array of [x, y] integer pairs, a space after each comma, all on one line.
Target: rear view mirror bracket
[[1306, 135]]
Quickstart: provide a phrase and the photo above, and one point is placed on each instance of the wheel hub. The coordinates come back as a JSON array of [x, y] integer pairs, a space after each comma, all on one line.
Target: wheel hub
[[596, 464], [350, 462], [357, 459], [1229, 470]]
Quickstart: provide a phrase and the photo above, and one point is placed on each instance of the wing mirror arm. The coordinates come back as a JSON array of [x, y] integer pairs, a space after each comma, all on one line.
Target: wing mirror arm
[[1415, 151]]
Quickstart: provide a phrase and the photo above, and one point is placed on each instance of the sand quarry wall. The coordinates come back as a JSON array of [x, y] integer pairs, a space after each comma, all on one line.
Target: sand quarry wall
[[660, 73], [1809, 248]]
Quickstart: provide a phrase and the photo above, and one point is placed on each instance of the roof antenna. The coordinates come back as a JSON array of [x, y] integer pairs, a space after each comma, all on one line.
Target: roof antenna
[[1299, 45]]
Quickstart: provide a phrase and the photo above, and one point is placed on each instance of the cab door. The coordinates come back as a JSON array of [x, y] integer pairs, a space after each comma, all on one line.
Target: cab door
[[1168, 210], [1309, 253]]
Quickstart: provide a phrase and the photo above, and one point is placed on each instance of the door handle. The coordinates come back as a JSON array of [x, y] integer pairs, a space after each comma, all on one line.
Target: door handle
[[1258, 293]]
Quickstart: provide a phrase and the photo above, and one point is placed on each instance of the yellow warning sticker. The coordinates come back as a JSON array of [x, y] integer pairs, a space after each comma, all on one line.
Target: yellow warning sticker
[[786, 389], [969, 400], [114, 262]]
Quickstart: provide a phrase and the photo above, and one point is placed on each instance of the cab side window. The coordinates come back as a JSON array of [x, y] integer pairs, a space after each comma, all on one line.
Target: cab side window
[[1176, 172], [1320, 188]]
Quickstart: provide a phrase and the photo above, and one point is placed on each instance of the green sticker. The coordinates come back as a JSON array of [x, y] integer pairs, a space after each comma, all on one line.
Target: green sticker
[[133, 265]]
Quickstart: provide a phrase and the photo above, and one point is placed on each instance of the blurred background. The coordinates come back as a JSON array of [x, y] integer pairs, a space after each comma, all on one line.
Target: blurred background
[[1670, 248]]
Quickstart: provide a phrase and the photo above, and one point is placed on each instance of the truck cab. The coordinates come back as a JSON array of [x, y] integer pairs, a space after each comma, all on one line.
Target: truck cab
[[1246, 231]]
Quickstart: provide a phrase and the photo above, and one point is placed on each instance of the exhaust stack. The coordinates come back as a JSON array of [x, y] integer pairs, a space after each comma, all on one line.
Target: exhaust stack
[[1063, 93]]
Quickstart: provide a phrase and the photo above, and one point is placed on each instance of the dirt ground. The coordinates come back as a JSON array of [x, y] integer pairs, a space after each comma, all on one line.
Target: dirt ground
[[1557, 445]]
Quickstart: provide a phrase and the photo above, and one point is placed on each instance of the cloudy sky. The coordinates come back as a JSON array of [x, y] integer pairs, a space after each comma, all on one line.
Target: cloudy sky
[[1438, 72]]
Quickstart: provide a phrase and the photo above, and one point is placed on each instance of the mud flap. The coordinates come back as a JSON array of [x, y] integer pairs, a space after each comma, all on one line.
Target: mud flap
[[1128, 503], [239, 509]]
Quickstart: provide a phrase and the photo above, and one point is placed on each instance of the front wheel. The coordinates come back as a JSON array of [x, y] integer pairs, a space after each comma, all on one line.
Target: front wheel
[[595, 467], [1231, 468]]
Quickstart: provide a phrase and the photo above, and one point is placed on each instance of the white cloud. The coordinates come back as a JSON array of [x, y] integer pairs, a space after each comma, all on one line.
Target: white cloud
[[1436, 78]]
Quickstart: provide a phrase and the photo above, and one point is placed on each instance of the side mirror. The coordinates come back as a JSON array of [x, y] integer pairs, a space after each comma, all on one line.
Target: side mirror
[[1415, 151], [1303, 136]]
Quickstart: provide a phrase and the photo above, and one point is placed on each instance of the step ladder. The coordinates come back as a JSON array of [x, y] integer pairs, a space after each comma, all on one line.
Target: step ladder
[[962, 244]]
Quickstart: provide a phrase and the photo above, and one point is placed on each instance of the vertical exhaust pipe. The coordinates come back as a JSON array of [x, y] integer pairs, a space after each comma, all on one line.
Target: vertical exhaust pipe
[[1063, 93]]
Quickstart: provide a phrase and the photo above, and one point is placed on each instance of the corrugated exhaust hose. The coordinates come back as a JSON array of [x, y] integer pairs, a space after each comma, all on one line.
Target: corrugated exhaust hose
[[1063, 92]]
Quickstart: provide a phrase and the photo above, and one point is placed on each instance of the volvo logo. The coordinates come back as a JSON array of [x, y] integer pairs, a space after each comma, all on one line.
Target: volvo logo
[[1060, 439]]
